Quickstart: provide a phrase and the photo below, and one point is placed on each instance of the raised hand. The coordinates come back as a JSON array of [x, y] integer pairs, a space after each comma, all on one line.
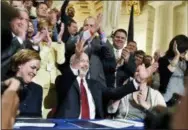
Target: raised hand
[[125, 54], [124, 57], [98, 23], [175, 49], [186, 56], [79, 47], [49, 40], [38, 37], [143, 73], [99, 20], [21, 31], [60, 35], [140, 99]]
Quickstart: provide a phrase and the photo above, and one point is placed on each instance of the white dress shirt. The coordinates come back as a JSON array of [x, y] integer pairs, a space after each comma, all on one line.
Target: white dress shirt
[[35, 47], [117, 53], [91, 103], [89, 97], [19, 39]]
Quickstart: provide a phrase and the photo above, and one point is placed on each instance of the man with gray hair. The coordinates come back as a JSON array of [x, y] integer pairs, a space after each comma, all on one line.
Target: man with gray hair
[[93, 47]]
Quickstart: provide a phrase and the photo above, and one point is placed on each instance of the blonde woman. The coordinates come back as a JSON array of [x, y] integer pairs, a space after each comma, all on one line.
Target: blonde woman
[[51, 53]]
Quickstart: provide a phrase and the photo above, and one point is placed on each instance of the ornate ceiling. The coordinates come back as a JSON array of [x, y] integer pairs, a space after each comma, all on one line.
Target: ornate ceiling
[[84, 7]]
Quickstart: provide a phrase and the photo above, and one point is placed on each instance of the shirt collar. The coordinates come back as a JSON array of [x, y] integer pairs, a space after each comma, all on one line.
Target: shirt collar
[[79, 80], [13, 34]]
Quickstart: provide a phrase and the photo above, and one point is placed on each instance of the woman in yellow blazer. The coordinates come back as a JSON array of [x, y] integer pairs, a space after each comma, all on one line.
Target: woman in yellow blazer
[[51, 53]]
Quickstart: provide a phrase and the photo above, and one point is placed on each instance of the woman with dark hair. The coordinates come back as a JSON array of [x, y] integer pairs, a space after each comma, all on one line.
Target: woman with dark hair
[[24, 66], [172, 67]]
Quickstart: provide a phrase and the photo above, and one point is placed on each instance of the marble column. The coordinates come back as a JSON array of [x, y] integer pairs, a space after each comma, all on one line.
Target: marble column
[[163, 23], [111, 12], [171, 25]]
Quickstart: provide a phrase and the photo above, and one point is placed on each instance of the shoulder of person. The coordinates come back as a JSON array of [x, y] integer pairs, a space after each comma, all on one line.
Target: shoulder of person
[[35, 86], [154, 92], [163, 59]]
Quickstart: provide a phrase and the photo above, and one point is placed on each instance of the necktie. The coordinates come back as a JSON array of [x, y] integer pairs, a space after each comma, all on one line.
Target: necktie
[[84, 102]]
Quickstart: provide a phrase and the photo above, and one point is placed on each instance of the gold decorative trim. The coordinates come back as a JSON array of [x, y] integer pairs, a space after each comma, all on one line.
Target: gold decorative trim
[[137, 6]]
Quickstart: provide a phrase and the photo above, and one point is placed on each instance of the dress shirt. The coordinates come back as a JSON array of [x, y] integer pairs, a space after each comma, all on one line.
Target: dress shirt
[[91, 103], [19, 39], [117, 53], [35, 47], [136, 85]]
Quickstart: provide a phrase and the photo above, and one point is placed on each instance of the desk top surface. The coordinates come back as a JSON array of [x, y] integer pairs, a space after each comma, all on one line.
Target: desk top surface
[[73, 124]]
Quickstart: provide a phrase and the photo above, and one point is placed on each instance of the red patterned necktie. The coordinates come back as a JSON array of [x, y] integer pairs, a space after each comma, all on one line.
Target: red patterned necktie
[[84, 102]]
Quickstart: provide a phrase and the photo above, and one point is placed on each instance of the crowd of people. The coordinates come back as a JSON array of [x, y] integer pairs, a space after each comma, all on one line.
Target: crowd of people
[[50, 69]]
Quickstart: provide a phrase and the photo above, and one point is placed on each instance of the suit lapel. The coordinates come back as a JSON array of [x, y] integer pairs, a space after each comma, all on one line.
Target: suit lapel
[[92, 90], [76, 85]]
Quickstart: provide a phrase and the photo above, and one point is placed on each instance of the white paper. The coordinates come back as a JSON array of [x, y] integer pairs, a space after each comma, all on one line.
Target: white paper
[[23, 124], [113, 123], [136, 123]]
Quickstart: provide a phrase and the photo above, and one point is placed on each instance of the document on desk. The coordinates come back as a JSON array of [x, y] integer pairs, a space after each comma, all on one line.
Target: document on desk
[[113, 123], [136, 123], [33, 123]]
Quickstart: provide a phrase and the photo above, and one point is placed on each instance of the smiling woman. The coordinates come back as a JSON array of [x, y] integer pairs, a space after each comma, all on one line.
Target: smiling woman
[[24, 66]]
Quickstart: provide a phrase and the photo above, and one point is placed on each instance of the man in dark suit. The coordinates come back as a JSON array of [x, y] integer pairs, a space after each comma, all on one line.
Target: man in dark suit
[[67, 19], [119, 63], [71, 30], [13, 38], [79, 97]]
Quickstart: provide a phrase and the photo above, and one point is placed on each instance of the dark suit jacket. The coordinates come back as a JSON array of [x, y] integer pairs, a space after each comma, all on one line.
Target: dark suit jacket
[[164, 73], [109, 64], [68, 95], [30, 100], [31, 103], [8, 52]]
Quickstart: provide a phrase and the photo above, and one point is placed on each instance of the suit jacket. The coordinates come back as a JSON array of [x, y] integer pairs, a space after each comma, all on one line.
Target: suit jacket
[[68, 94], [65, 19], [109, 64], [31, 101], [8, 52]]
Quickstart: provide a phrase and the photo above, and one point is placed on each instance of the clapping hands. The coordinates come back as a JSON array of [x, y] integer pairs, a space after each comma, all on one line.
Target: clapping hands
[[140, 99], [175, 49], [79, 47]]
